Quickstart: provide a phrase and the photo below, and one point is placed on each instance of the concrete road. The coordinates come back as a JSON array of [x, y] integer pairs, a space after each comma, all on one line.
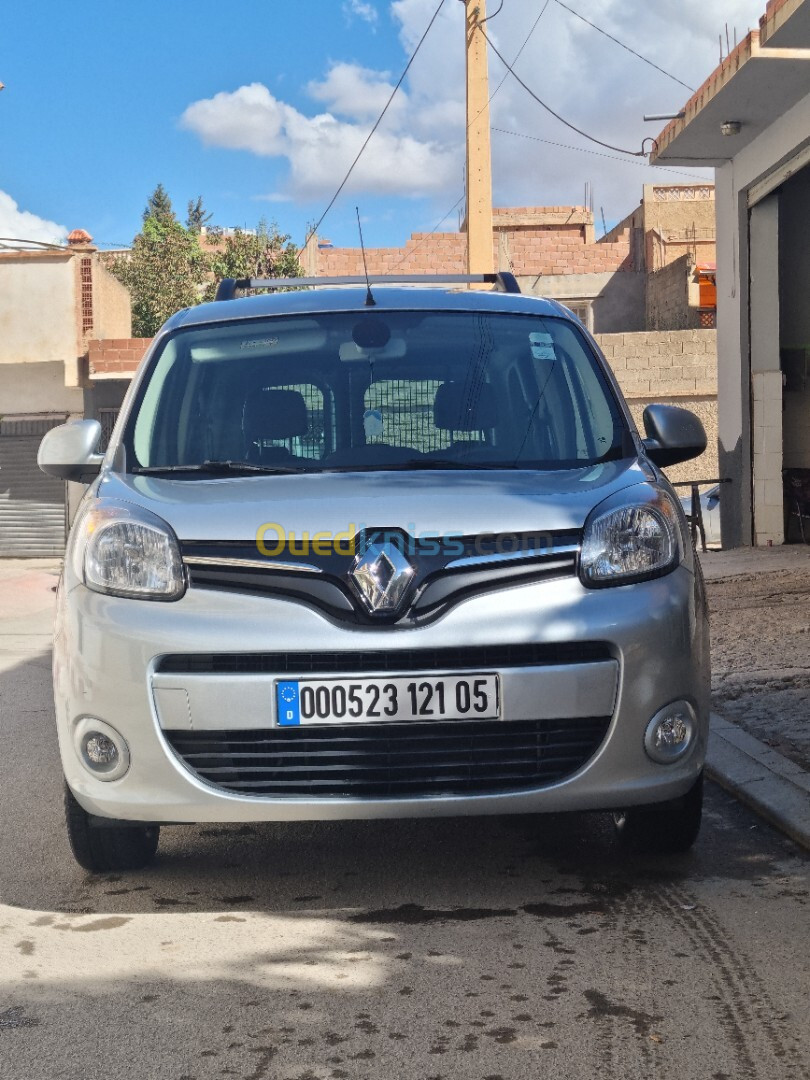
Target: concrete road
[[491, 949]]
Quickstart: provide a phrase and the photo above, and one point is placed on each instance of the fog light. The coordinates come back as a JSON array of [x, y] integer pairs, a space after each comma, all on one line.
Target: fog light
[[101, 749], [670, 733]]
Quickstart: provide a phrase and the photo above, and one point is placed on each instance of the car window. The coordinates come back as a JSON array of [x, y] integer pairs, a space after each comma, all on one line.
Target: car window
[[376, 390]]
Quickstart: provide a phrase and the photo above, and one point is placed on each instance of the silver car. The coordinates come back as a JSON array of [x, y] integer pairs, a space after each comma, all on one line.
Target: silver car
[[357, 554]]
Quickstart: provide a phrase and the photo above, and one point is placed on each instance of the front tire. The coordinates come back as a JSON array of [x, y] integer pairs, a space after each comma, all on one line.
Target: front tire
[[667, 828], [104, 848]]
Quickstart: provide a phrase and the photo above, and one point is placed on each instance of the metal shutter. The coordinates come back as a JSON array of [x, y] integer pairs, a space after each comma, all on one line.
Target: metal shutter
[[32, 505]]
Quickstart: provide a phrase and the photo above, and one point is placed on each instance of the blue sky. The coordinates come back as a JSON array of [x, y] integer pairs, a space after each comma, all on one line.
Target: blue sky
[[259, 107]]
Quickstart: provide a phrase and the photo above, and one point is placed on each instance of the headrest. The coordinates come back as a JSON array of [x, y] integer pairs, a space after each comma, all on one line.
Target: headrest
[[455, 408], [275, 414]]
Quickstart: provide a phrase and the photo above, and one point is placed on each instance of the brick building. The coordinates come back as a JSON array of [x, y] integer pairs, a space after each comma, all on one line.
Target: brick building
[[550, 249]]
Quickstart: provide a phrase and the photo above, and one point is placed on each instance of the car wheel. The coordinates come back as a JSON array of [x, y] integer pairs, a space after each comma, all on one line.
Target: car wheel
[[662, 828], [113, 847]]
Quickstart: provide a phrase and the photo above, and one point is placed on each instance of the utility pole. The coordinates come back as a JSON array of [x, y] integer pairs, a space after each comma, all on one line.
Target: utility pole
[[479, 155]]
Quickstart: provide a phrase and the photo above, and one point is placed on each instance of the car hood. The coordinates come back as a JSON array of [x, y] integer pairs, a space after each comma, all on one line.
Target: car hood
[[429, 502]]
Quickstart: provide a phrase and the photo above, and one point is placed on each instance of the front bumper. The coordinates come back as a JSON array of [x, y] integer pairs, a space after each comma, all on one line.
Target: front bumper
[[108, 650]]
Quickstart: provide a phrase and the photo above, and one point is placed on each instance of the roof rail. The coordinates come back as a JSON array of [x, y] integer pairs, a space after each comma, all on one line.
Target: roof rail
[[503, 282]]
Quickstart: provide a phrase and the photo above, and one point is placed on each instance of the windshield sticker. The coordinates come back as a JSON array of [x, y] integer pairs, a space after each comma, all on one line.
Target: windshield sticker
[[542, 346]]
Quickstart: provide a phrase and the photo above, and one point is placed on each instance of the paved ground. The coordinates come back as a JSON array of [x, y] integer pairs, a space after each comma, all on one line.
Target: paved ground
[[760, 619], [485, 949]]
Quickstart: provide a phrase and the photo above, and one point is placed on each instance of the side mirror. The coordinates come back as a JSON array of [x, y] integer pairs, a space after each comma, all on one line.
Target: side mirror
[[70, 451], [673, 435]]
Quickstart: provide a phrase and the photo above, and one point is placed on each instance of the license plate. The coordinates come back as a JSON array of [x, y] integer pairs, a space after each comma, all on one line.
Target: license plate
[[397, 700]]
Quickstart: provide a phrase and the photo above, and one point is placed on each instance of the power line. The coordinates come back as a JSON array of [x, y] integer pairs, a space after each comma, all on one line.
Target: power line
[[379, 120], [427, 236], [674, 78], [494, 13], [587, 150], [517, 54], [458, 202], [556, 115]]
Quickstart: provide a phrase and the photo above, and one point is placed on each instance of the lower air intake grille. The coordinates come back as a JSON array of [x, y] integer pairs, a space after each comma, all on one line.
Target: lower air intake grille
[[375, 761]]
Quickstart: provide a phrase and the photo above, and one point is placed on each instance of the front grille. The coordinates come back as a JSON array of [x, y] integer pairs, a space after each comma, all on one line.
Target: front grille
[[375, 761], [475, 658]]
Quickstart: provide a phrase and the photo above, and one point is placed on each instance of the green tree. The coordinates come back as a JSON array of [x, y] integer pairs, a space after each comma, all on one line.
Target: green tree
[[159, 207], [164, 272], [167, 270], [243, 254], [197, 215]]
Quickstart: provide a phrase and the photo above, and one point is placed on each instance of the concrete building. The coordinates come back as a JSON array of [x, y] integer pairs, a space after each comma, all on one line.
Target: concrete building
[[53, 300], [672, 236], [751, 121]]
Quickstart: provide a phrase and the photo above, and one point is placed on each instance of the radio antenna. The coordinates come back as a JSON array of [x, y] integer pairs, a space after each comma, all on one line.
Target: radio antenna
[[370, 301]]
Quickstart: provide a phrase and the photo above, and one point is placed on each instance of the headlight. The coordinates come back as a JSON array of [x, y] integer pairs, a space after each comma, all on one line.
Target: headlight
[[128, 551], [630, 543]]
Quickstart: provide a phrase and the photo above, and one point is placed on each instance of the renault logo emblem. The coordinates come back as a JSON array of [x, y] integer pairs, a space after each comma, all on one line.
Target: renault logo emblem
[[381, 576]]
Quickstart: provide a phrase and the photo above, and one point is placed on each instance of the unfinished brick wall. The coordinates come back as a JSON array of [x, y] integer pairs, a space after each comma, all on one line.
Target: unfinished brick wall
[[678, 367], [549, 240], [672, 220], [116, 358], [542, 251]]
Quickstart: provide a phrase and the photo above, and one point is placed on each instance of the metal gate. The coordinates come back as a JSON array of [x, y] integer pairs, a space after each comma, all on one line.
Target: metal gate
[[32, 505]]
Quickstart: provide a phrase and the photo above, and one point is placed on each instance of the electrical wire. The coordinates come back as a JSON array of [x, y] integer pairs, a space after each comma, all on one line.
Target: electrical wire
[[492, 16], [31, 243], [379, 120], [668, 74], [587, 150], [556, 115], [517, 57]]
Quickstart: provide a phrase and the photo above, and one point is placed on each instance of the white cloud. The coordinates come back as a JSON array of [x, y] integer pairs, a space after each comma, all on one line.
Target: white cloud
[[357, 93], [362, 9], [274, 197], [319, 149], [20, 224], [419, 149]]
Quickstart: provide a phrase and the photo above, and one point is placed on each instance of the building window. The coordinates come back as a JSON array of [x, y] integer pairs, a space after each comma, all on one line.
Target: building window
[[107, 418], [86, 277], [583, 309]]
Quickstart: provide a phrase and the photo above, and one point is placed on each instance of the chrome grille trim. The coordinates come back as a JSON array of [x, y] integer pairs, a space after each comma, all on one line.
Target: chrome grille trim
[[553, 556], [252, 564]]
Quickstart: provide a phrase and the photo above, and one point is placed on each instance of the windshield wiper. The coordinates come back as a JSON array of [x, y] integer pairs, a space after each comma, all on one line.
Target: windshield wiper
[[220, 468], [445, 463]]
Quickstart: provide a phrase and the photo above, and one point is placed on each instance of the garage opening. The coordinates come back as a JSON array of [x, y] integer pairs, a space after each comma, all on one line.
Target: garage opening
[[794, 351], [32, 505]]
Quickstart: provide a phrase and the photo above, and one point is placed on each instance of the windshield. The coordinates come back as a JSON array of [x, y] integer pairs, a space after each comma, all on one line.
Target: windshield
[[371, 390]]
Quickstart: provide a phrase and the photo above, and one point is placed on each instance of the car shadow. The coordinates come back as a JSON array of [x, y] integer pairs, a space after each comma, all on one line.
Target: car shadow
[[411, 870]]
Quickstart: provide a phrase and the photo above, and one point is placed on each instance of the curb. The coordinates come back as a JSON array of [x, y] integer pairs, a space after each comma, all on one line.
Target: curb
[[775, 787]]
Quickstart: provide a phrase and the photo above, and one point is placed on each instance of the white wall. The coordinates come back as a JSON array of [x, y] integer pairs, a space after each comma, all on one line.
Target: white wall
[[37, 308], [776, 145]]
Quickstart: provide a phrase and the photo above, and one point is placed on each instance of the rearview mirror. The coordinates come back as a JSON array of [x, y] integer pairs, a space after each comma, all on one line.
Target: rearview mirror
[[69, 451], [673, 435]]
